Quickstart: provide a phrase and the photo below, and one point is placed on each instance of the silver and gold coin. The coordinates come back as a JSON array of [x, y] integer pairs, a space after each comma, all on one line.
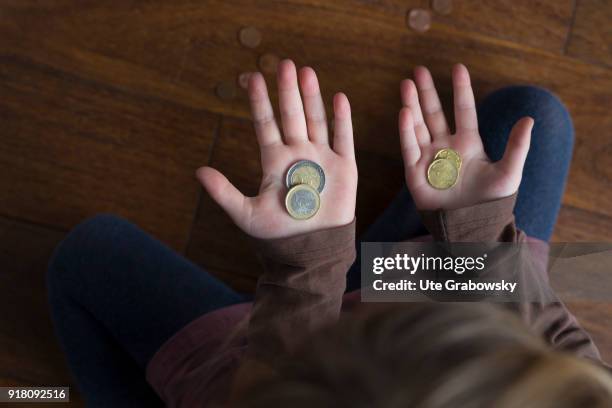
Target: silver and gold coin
[[442, 174], [302, 201], [306, 172], [450, 154]]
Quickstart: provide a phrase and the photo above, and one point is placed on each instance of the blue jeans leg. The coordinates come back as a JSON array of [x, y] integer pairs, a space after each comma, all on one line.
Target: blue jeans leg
[[117, 295], [550, 154]]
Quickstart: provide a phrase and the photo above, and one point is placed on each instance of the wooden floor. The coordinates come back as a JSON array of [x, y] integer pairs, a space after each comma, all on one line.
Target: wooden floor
[[111, 106]]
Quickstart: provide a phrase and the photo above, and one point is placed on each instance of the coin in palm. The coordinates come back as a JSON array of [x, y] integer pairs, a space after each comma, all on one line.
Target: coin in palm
[[442, 174], [451, 155], [302, 202], [306, 172]]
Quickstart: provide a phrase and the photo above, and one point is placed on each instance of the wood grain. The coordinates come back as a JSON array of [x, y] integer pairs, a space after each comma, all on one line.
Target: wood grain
[[596, 318], [216, 243], [591, 35], [539, 24], [73, 147], [29, 353], [577, 225], [374, 51]]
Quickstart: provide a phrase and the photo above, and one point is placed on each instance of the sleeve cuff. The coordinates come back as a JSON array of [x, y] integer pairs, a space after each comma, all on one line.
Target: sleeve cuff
[[303, 248], [483, 222]]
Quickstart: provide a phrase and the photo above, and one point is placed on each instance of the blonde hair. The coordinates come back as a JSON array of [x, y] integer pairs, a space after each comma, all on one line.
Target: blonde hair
[[431, 355]]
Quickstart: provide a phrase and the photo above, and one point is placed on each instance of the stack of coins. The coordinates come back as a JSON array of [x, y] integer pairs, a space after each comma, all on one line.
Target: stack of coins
[[305, 180], [443, 172]]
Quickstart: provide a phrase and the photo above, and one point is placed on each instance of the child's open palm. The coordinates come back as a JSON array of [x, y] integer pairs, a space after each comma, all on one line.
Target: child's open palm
[[424, 131], [304, 136]]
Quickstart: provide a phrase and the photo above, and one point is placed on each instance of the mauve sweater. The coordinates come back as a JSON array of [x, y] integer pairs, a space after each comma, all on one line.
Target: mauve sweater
[[302, 289]]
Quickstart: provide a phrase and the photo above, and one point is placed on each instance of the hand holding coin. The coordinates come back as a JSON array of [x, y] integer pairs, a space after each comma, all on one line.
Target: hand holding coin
[[445, 170], [308, 183]]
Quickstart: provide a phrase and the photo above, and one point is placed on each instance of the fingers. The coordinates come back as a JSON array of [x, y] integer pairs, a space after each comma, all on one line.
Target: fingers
[[261, 109], [465, 107], [411, 152], [410, 99], [316, 121], [517, 147], [233, 202], [291, 109], [430, 103], [343, 126]]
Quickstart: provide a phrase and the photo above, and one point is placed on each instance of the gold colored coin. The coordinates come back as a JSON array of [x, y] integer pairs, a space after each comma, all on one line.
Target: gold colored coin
[[302, 202], [451, 155], [442, 174]]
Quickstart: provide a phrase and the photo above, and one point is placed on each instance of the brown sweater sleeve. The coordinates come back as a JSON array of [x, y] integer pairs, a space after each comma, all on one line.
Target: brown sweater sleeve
[[486, 222], [300, 290], [494, 222]]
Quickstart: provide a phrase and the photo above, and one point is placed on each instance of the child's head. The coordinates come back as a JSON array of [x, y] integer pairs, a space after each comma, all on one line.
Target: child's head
[[432, 355]]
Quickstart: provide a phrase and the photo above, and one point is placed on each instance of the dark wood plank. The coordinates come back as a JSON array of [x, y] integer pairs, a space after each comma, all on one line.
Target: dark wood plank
[[29, 353], [199, 48], [596, 318], [591, 35], [373, 50], [541, 23], [216, 243], [365, 40], [580, 274], [74, 147], [577, 225]]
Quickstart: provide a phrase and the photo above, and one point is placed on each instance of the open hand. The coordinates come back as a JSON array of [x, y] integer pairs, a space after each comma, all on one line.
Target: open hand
[[304, 136], [423, 131]]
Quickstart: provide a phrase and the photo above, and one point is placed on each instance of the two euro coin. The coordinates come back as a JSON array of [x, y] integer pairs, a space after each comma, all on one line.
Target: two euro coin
[[305, 180], [443, 171]]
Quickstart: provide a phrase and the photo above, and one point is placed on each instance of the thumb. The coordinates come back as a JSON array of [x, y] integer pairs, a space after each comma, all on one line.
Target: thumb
[[233, 202], [517, 148]]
